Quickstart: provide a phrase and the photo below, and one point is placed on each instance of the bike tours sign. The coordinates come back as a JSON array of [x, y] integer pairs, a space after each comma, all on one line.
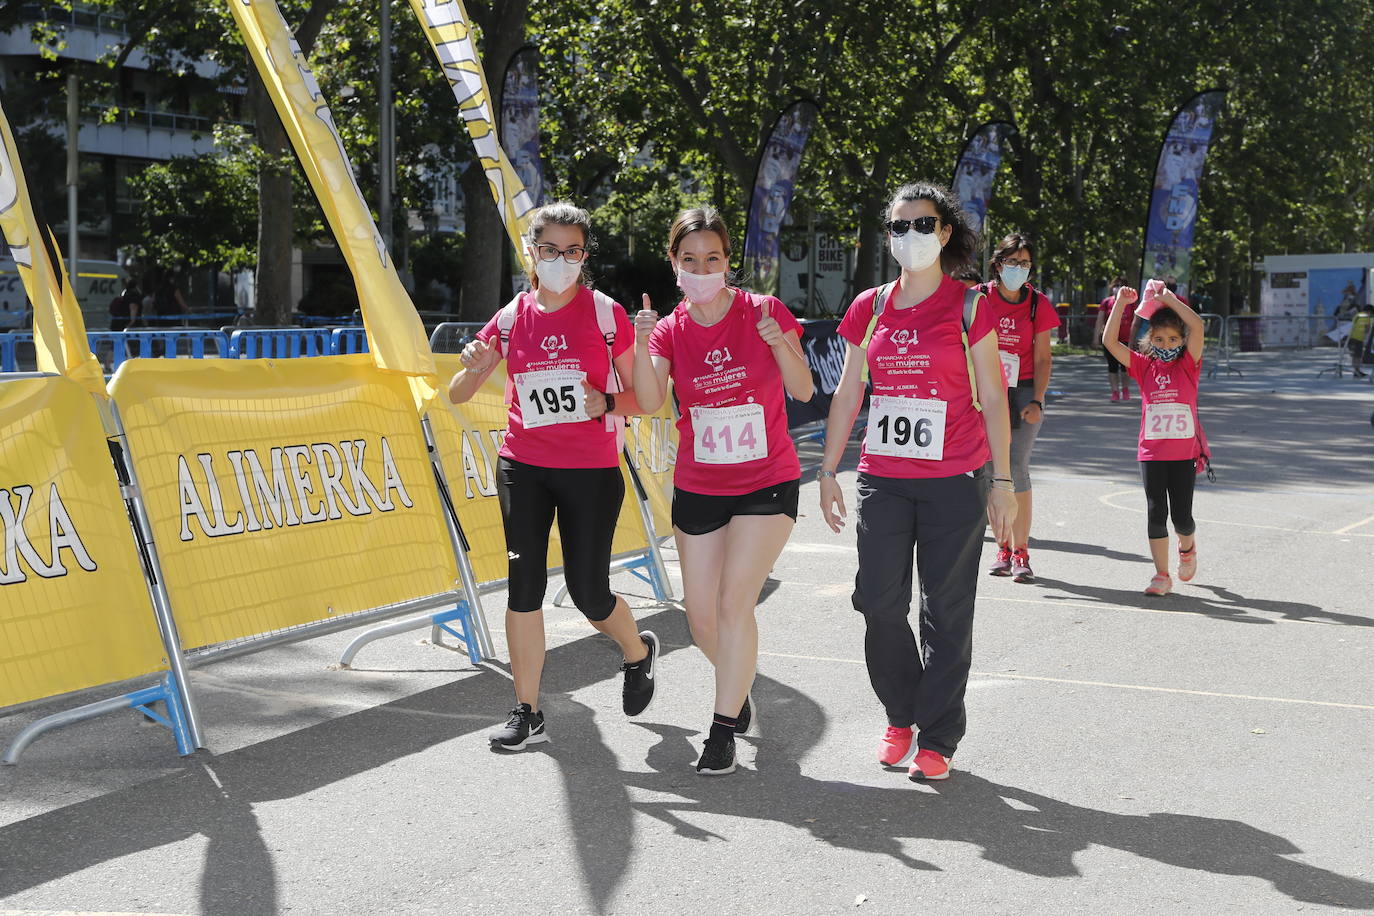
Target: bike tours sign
[[1174, 199]]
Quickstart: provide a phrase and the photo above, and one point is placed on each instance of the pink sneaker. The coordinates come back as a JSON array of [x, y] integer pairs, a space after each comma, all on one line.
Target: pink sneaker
[[1020, 566], [895, 747], [1161, 584], [928, 766], [1116, 396], [1187, 564], [1002, 565]]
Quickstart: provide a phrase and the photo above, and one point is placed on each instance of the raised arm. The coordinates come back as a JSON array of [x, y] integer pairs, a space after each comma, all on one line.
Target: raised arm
[[1111, 334], [650, 372], [1191, 319], [479, 360]]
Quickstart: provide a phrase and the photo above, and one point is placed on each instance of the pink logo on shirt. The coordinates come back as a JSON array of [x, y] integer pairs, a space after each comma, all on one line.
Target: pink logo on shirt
[[553, 343], [718, 357], [1163, 381], [903, 338]]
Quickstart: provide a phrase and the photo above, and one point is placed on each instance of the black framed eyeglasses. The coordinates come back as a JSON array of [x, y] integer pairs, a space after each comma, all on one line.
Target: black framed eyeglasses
[[924, 225], [1012, 262], [573, 255]]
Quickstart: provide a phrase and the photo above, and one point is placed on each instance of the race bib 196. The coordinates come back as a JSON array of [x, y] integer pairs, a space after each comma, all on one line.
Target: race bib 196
[[1011, 366], [550, 396], [729, 435], [1168, 421], [906, 428]]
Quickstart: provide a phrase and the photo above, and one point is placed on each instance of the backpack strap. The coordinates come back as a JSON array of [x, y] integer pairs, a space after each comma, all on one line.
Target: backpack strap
[[505, 320], [605, 322], [879, 302], [971, 299]]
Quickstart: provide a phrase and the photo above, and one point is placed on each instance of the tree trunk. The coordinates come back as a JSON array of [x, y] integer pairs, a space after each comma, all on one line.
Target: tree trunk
[[273, 277]]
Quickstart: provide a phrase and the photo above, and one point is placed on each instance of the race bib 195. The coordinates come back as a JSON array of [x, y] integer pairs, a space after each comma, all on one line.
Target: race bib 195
[[1168, 421], [906, 428], [729, 435], [550, 396]]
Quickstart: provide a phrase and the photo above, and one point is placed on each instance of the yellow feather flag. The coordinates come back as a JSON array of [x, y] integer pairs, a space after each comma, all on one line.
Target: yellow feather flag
[[396, 336], [59, 329], [446, 26]]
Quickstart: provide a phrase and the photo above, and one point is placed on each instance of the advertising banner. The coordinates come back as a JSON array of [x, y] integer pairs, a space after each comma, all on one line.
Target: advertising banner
[[74, 608], [283, 492], [824, 349], [446, 25], [520, 121], [1174, 200], [977, 169], [774, 185]]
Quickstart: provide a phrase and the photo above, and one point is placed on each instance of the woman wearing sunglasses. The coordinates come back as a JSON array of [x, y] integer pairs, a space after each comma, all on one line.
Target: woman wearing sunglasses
[[565, 347], [937, 416], [731, 355], [1024, 318]]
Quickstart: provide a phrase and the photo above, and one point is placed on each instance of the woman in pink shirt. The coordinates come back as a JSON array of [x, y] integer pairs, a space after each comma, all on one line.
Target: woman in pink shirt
[[1167, 368], [731, 355], [560, 458], [930, 347]]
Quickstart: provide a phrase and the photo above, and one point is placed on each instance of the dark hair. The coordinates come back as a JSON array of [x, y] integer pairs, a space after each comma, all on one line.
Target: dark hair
[[968, 274], [560, 213], [1119, 282], [697, 219], [1012, 244], [1164, 318], [963, 241]]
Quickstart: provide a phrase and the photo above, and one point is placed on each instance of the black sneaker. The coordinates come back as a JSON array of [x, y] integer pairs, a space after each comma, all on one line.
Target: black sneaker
[[637, 695], [717, 758], [745, 717], [524, 727]]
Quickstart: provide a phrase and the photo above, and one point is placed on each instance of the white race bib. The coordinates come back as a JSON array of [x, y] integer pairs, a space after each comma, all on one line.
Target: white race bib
[[729, 435], [550, 396], [1169, 421], [906, 428], [1011, 367]]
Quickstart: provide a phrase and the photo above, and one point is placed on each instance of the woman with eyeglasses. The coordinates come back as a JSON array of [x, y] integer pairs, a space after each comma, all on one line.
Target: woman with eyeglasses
[[937, 416], [566, 348], [731, 355], [1024, 317]]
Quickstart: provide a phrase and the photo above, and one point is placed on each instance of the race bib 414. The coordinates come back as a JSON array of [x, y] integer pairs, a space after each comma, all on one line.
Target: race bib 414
[[729, 435]]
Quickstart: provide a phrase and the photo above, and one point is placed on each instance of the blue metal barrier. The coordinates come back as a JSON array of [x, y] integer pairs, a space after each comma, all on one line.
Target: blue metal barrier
[[283, 343], [348, 340]]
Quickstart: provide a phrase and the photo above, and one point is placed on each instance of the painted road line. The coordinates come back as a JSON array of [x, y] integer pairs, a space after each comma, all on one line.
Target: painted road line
[[1107, 500]]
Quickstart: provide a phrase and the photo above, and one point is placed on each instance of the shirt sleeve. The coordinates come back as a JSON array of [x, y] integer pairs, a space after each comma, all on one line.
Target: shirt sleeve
[[1137, 368], [661, 338], [624, 332], [1046, 315], [783, 315], [489, 330], [854, 325]]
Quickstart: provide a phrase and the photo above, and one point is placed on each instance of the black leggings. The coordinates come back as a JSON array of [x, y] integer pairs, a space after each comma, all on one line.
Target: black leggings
[[1168, 491], [587, 502]]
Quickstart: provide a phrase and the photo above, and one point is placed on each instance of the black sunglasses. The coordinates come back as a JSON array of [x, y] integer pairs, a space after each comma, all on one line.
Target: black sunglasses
[[924, 225]]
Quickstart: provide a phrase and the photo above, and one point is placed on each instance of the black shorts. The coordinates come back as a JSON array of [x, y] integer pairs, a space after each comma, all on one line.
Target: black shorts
[[1113, 364], [697, 513], [587, 504]]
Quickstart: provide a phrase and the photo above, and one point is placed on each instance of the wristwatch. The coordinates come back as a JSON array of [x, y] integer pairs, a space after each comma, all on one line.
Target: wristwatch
[[1038, 403], [610, 401], [824, 473]]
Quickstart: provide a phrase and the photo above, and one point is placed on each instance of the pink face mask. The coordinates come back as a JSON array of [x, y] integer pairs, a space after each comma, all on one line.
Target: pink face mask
[[700, 287]]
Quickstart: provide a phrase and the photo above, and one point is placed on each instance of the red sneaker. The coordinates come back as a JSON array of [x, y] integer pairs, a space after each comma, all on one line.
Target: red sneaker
[[1002, 565], [928, 766], [895, 747], [1020, 566], [1159, 585]]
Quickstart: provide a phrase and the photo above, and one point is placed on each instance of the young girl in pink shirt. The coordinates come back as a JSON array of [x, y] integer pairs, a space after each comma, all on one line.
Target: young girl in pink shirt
[[1167, 368]]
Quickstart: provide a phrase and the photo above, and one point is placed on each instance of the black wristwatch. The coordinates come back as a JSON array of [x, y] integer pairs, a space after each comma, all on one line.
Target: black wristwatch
[[1039, 404], [610, 401]]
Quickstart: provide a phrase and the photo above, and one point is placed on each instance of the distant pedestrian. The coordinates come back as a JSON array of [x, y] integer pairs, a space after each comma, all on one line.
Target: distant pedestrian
[[1117, 378], [126, 307]]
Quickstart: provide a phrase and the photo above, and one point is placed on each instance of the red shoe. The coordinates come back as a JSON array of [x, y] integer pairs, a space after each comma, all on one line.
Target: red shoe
[[928, 766], [895, 747], [1116, 396], [1020, 566], [1160, 585], [1002, 565], [1187, 564]]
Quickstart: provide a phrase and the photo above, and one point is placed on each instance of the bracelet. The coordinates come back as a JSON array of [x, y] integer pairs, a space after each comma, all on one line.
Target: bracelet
[[1007, 479], [1007, 489], [1038, 403], [610, 401], [823, 474]]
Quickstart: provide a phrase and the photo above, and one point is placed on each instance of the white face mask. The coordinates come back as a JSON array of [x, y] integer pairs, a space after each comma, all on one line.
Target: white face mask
[[556, 275], [700, 287], [916, 250]]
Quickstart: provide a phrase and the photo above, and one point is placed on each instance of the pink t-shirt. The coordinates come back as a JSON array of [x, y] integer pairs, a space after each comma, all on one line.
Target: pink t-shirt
[[732, 432], [916, 355], [1015, 330], [1168, 407], [558, 343]]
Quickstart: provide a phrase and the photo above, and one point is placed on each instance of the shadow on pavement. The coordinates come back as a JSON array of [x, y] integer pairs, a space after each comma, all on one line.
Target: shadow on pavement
[[1090, 550], [1226, 605]]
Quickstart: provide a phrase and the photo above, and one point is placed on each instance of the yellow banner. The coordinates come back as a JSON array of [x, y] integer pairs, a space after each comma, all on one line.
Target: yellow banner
[[446, 25], [59, 330], [283, 492], [396, 336], [74, 608], [469, 438]]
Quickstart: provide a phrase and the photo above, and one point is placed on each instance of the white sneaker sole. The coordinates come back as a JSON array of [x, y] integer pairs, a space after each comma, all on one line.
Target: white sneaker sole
[[904, 759], [658, 669], [725, 772], [539, 738]]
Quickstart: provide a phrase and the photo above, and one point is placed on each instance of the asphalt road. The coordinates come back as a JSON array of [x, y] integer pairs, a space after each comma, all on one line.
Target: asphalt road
[[1208, 752]]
